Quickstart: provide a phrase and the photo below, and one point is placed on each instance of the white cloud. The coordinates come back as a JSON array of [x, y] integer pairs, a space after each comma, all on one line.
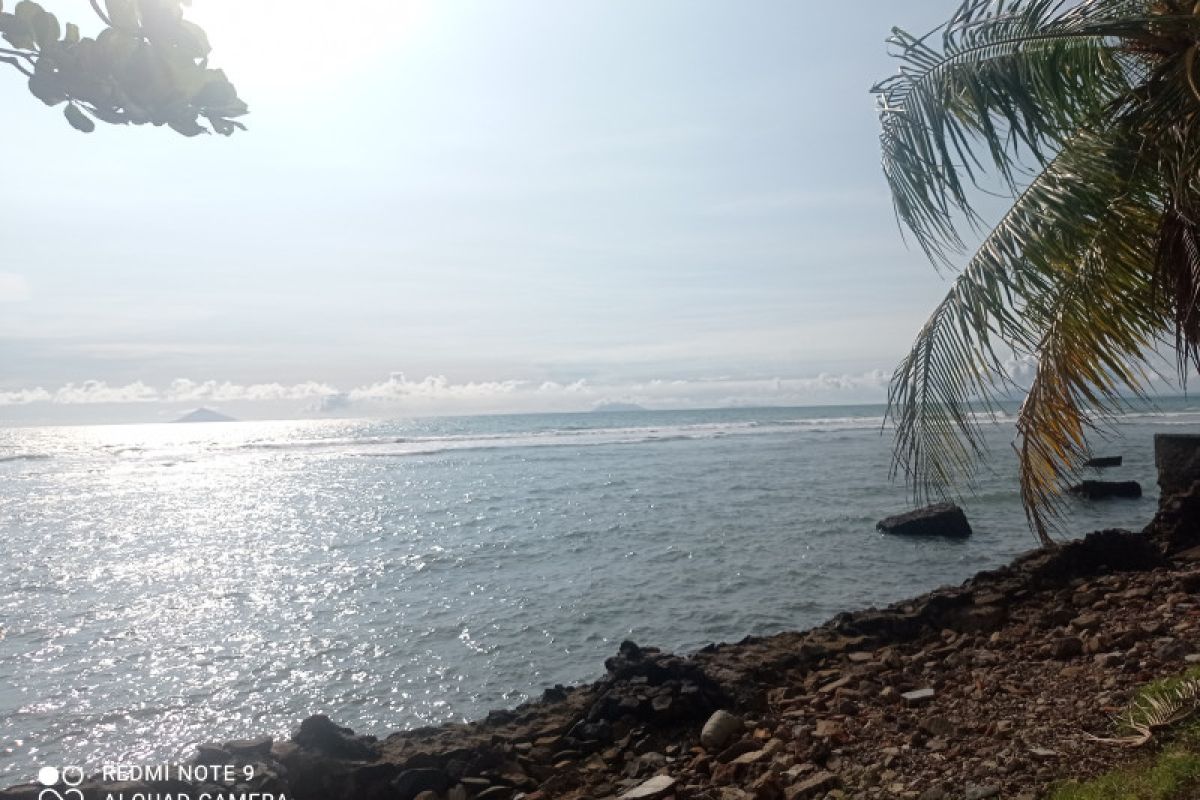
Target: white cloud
[[180, 391], [397, 388], [13, 288], [24, 397], [438, 394], [99, 392], [183, 390]]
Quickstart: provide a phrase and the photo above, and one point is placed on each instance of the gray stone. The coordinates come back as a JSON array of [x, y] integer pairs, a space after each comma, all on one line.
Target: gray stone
[[918, 696], [720, 729], [981, 792]]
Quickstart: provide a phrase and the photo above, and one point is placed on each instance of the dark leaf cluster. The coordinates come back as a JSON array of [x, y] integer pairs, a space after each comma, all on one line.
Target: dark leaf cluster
[[149, 65]]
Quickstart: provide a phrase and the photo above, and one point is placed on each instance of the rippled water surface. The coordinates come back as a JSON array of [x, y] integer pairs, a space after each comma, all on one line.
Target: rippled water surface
[[166, 585]]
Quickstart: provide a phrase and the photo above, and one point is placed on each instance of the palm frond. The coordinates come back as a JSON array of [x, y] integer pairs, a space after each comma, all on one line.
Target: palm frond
[[954, 371], [1100, 320], [1155, 711], [1018, 77]]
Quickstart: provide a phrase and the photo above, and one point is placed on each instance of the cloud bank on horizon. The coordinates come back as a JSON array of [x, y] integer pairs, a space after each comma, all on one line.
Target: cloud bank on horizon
[[436, 394]]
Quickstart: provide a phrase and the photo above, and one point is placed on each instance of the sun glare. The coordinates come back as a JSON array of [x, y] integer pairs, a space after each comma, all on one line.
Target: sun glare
[[291, 43]]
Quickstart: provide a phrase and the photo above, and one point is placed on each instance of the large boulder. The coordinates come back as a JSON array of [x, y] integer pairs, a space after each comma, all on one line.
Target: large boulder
[[1176, 526], [941, 519], [1177, 456], [319, 734], [1101, 490]]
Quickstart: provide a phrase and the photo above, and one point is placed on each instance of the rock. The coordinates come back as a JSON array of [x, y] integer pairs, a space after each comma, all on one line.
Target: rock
[[412, 782], [752, 757], [816, 786], [981, 792], [942, 519], [319, 733], [720, 730], [827, 729], [260, 746], [1104, 462], [658, 786], [1109, 660], [1101, 490], [1066, 647], [766, 787], [939, 726], [918, 696], [212, 754], [1177, 457], [1171, 650], [736, 750], [495, 793]]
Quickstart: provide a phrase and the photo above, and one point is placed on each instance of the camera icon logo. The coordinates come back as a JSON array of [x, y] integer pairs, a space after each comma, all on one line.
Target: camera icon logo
[[69, 777]]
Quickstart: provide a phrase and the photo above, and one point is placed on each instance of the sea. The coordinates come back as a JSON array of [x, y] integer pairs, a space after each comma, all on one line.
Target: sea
[[164, 586]]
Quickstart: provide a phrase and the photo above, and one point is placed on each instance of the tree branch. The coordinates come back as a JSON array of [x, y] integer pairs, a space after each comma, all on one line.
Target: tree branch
[[17, 64], [28, 55]]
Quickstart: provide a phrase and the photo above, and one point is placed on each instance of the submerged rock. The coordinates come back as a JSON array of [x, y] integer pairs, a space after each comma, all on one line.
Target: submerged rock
[[942, 519], [1104, 462], [1101, 490]]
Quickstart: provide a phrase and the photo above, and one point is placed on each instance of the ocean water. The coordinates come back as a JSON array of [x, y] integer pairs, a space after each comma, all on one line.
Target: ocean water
[[168, 585]]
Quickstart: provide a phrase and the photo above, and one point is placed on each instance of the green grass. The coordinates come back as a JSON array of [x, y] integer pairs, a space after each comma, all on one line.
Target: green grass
[[1171, 774]]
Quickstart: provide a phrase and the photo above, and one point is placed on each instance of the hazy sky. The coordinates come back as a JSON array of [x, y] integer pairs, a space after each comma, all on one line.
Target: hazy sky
[[472, 206]]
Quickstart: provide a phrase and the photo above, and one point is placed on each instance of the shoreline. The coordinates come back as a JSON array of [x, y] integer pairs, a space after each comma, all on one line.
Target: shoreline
[[873, 703]]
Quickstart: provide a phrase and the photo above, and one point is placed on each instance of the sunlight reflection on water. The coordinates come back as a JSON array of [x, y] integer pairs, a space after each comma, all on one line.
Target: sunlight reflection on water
[[170, 585]]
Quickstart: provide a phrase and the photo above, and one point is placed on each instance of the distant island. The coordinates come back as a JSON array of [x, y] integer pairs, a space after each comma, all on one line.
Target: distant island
[[205, 415], [603, 407]]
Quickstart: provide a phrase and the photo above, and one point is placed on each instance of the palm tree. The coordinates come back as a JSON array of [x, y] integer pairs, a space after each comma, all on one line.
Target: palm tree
[[1087, 113]]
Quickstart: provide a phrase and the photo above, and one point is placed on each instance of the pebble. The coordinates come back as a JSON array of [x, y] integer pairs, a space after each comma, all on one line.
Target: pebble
[[918, 696]]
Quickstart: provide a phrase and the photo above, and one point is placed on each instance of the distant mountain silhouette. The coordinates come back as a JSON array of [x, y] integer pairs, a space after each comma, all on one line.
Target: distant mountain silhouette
[[205, 415], [602, 407]]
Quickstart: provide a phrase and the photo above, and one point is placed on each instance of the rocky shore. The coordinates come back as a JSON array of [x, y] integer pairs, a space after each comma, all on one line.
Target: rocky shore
[[986, 690]]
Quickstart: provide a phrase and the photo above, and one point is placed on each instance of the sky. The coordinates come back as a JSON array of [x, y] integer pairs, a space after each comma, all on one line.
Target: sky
[[451, 207]]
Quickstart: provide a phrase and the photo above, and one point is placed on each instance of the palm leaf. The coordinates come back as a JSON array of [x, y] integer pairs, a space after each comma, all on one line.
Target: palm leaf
[[952, 374], [1103, 316], [1017, 77]]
